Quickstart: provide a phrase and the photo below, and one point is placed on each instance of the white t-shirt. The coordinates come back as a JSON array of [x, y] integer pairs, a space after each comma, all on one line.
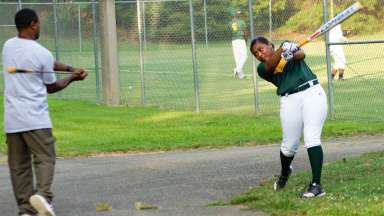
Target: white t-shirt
[[25, 94]]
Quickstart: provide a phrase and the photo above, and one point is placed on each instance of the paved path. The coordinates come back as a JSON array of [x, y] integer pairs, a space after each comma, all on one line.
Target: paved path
[[180, 183]]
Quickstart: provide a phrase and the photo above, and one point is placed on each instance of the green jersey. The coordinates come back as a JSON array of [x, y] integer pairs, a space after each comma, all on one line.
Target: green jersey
[[295, 73], [237, 27]]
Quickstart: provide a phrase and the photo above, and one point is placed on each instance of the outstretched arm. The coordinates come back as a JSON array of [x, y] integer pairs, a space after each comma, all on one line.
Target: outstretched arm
[[77, 74], [58, 66]]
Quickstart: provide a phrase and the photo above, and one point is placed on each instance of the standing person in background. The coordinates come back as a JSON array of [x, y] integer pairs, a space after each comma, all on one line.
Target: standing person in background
[[239, 46], [337, 52], [27, 122], [303, 107]]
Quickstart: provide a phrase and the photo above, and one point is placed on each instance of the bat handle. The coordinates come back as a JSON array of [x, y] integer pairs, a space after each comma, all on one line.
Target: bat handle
[[279, 68], [303, 42]]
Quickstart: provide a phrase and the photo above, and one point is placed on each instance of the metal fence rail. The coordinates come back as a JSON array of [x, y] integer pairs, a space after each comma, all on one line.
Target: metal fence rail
[[177, 54]]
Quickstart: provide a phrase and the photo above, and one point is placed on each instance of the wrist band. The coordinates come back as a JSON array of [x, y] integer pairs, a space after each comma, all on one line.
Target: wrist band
[[69, 68]]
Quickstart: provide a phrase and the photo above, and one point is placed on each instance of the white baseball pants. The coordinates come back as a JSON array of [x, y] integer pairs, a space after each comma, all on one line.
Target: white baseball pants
[[305, 110], [338, 56], [239, 48]]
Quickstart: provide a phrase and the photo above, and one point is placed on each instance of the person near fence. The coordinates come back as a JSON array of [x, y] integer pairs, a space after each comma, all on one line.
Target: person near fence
[[27, 124], [303, 107], [337, 52], [239, 34]]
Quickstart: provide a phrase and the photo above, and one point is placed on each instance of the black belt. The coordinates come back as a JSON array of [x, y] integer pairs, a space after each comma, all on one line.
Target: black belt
[[302, 87]]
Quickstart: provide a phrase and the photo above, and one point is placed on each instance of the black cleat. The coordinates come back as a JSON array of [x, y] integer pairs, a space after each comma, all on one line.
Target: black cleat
[[313, 190], [282, 181]]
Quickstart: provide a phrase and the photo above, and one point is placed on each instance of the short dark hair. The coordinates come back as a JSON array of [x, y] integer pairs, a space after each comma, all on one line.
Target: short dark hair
[[260, 39], [24, 18]]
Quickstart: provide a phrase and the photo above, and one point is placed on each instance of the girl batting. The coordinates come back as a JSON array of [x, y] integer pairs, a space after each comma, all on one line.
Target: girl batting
[[303, 107]]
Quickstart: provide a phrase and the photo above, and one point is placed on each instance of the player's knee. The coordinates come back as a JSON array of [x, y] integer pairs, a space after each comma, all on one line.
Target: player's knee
[[289, 147], [288, 152]]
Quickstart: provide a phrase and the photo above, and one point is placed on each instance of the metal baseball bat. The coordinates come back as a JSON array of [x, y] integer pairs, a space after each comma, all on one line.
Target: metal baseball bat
[[28, 70], [341, 17]]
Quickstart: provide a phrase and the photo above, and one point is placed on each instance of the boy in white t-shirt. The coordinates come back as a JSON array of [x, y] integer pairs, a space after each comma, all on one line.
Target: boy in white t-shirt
[[27, 122]]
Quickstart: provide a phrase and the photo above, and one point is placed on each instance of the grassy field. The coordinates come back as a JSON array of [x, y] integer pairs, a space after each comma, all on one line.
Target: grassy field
[[83, 128], [354, 187], [227, 104]]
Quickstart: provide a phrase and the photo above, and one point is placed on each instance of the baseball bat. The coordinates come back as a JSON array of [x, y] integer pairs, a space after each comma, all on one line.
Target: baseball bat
[[323, 29], [28, 70]]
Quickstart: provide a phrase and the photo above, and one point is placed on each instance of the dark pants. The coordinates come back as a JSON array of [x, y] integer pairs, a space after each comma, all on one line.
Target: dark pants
[[25, 148]]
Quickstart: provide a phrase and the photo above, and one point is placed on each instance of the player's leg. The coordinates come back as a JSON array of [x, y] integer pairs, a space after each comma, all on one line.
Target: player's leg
[[19, 161], [339, 60], [341, 74], [314, 115], [42, 145], [292, 125], [334, 68], [242, 49], [236, 56], [334, 72], [342, 63]]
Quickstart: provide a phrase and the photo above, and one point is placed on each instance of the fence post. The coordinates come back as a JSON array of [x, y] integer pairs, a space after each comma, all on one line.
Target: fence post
[[140, 51], [205, 24], [19, 5], [79, 26], [270, 20], [328, 60], [144, 26], [195, 72], [96, 51], [55, 21], [255, 80], [56, 38]]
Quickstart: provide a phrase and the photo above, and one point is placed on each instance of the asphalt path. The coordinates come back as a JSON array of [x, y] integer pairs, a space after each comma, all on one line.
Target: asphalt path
[[179, 183]]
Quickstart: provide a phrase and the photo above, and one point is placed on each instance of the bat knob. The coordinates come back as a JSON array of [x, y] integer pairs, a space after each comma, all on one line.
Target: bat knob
[[11, 69]]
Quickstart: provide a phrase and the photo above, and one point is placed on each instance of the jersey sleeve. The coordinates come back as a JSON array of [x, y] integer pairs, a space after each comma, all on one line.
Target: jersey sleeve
[[48, 62], [263, 73]]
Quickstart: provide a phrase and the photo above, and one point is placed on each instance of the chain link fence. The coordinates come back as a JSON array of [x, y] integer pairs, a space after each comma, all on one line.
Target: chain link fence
[[67, 31], [177, 54]]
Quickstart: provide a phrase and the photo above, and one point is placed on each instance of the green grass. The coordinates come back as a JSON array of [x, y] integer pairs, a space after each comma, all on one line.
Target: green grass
[[228, 116], [354, 187], [83, 128]]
